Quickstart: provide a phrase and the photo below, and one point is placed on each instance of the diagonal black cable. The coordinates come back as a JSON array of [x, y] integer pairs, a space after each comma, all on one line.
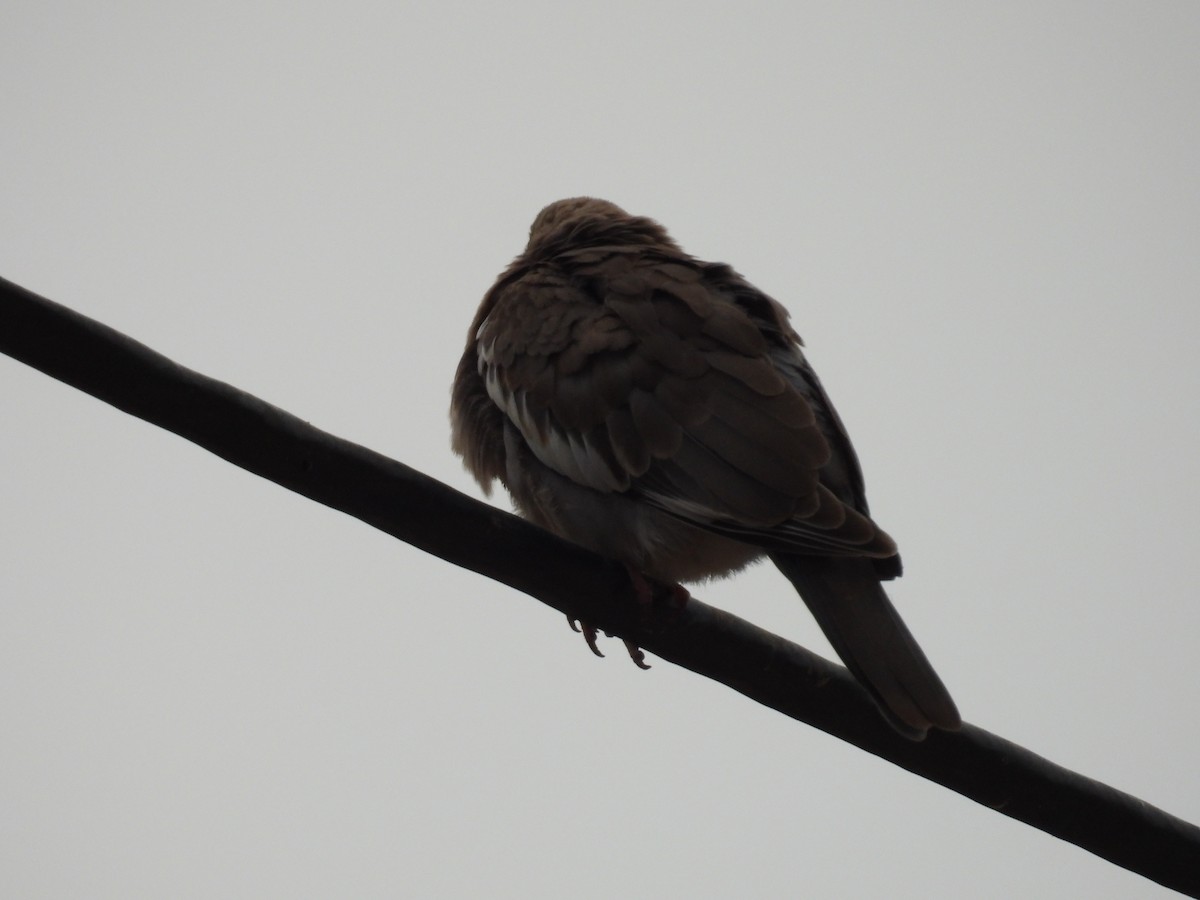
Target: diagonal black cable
[[438, 519]]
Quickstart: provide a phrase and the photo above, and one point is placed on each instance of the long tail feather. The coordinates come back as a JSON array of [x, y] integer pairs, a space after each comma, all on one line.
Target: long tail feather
[[864, 628]]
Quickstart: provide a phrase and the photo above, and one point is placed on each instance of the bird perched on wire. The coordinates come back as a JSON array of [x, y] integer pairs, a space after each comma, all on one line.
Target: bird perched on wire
[[659, 410]]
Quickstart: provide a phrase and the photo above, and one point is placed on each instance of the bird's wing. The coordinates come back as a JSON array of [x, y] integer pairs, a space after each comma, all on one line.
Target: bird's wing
[[650, 375]]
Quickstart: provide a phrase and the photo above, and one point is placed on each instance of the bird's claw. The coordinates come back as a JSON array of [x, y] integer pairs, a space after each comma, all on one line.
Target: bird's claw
[[636, 654], [675, 598], [590, 634]]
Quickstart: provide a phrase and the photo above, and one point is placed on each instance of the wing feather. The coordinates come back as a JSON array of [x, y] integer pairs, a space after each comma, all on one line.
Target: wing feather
[[631, 371]]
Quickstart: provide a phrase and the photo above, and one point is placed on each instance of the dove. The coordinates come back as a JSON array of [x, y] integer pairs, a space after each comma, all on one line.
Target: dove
[[659, 410]]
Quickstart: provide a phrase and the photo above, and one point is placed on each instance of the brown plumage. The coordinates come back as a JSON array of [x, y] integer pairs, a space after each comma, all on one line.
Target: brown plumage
[[659, 410]]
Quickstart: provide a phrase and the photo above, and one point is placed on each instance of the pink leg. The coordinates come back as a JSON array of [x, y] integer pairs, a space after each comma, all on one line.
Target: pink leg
[[645, 593]]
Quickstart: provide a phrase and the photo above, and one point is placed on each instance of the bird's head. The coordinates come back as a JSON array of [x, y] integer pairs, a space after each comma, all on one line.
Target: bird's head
[[580, 221]]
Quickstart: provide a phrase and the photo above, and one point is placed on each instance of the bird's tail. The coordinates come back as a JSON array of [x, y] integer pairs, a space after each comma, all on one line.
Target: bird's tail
[[850, 605]]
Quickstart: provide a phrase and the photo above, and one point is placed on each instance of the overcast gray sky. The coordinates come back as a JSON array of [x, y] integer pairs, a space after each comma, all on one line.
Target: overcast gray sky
[[984, 220]]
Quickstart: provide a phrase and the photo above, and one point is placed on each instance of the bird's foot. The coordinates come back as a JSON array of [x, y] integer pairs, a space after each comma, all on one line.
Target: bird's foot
[[636, 654], [673, 596], [590, 634]]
